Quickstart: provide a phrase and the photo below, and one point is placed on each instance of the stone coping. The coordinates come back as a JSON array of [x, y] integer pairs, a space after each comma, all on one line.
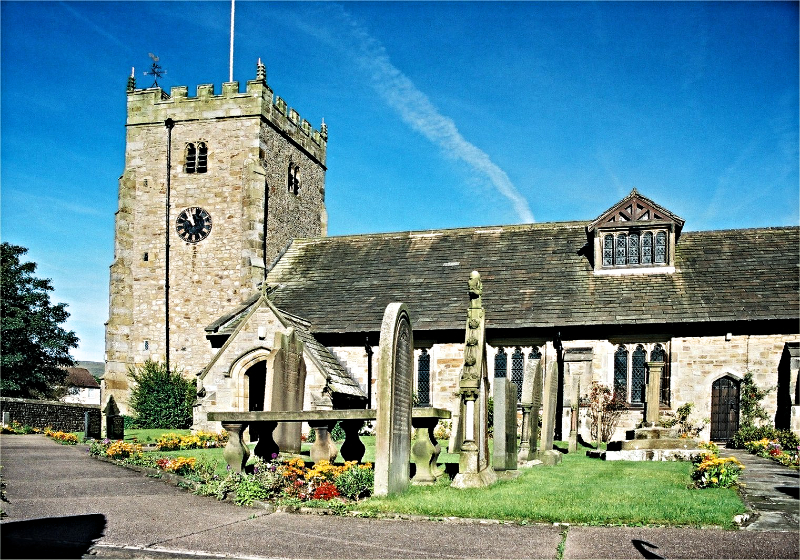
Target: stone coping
[[318, 415]]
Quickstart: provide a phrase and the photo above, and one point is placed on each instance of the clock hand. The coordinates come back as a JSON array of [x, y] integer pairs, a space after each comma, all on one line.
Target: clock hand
[[190, 217]]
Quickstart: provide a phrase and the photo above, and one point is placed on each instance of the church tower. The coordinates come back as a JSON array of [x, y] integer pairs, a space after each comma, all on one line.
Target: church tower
[[215, 186]]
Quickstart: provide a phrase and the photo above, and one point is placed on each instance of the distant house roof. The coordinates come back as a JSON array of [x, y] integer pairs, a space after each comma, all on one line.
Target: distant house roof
[[535, 275], [80, 377]]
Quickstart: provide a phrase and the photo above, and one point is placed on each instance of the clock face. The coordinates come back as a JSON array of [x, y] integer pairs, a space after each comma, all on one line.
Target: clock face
[[193, 224]]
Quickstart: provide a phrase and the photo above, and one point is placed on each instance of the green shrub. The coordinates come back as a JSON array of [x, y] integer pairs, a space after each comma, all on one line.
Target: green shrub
[[750, 402], [161, 398], [356, 482], [337, 434]]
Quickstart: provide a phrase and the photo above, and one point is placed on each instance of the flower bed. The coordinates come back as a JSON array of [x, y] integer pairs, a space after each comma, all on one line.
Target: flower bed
[[771, 449], [15, 427], [713, 471], [197, 440], [293, 481], [64, 438]]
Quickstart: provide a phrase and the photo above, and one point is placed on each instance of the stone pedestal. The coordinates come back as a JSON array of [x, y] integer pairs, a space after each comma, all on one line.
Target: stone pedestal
[[236, 452]]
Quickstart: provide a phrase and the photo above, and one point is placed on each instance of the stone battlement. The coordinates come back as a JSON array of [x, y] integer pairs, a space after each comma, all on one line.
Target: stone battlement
[[153, 106]]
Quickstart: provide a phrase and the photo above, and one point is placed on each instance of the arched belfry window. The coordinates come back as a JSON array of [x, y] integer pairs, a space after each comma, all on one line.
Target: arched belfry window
[[196, 158], [424, 378], [202, 157], [500, 363], [518, 370], [191, 158], [621, 372]]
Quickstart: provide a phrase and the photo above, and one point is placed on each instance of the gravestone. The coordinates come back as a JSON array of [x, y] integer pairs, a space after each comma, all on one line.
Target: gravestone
[[394, 402], [504, 455], [6, 418], [574, 411], [286, 384], [91, 425], [546, 453], [115, 423], [532, 403], [474, 469]]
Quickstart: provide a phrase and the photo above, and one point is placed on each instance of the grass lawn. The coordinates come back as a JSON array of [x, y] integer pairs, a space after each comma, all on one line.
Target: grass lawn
[[582, 491]]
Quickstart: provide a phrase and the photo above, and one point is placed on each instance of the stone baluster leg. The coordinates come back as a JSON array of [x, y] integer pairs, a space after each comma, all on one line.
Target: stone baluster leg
[[266, 446], [352, 448], [323, 447], [236, 452], [423, 451]]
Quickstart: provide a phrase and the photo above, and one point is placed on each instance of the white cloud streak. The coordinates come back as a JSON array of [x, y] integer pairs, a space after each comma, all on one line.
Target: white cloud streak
[[417, 110]]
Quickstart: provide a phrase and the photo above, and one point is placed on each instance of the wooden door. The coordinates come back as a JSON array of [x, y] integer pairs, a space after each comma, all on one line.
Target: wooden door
[[724, 408]]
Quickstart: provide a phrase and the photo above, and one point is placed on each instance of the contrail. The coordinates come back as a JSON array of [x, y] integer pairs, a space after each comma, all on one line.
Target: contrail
[[416, 110]]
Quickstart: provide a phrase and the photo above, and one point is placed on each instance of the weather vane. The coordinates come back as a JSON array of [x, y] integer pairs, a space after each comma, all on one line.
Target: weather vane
[[155, 70]]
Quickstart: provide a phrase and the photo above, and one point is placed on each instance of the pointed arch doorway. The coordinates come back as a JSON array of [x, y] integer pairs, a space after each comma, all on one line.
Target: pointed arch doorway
[[724, 408], [256, 383]]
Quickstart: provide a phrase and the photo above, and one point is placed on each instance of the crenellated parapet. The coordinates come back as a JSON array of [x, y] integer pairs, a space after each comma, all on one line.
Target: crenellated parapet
[[152, 106]]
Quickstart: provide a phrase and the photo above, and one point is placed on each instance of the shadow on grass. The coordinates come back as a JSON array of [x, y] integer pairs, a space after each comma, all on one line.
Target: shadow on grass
[[52, 537]]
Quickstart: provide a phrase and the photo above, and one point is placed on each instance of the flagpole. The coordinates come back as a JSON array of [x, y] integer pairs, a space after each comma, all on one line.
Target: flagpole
[[233, 9]]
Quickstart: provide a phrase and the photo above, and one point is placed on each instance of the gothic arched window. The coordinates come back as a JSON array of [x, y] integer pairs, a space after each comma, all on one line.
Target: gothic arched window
[[660, 355], [621, 372], [518, 370], [293, 181], [500, 363], [638, 374], [424, 378]]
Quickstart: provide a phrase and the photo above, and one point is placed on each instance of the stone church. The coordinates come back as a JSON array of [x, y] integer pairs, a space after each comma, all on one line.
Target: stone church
[[221, 255]]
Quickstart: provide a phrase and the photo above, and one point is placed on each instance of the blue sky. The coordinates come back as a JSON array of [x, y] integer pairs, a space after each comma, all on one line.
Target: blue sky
[[441, 114]]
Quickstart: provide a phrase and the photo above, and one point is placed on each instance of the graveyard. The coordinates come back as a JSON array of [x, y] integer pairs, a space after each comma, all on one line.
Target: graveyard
[[504, 466]]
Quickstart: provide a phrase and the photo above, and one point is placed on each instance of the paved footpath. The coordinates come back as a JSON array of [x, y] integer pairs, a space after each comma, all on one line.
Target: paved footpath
[[64, 504]]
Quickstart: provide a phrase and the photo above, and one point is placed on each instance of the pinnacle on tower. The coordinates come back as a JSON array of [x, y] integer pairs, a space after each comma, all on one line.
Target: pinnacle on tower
[[131, 81], [261, 72]]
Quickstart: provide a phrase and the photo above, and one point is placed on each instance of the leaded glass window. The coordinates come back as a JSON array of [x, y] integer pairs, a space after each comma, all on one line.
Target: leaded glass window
[[660, 355], [518, 370], [424, 378], [621, 372], [608, 250], [638, 374], [621, 256], [647, 248], [661, 248], [500, 363], [633, 248]]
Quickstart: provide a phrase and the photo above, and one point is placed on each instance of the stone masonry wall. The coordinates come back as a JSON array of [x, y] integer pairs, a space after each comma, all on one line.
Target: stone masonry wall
[[251, 140], [42, 414]]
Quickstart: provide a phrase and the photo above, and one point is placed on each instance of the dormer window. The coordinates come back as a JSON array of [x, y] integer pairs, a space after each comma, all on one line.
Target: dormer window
[[634, 236]]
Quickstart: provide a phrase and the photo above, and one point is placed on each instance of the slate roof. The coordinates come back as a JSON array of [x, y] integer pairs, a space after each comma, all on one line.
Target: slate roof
[[534, 275], [338, 378]]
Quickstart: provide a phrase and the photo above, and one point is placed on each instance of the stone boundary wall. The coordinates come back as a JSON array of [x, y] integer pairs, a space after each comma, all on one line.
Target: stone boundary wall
[[65, 417]]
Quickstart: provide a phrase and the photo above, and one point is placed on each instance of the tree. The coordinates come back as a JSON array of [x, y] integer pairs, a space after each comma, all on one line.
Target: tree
[[161, 398], [34, 348]]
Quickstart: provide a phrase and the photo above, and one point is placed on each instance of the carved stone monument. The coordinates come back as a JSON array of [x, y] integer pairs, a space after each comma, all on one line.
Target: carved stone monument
[[286, 383], [115, 423], [531, 404], [573, 414], [546, 453], [504, 455], [474, 467], [395, 388]]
